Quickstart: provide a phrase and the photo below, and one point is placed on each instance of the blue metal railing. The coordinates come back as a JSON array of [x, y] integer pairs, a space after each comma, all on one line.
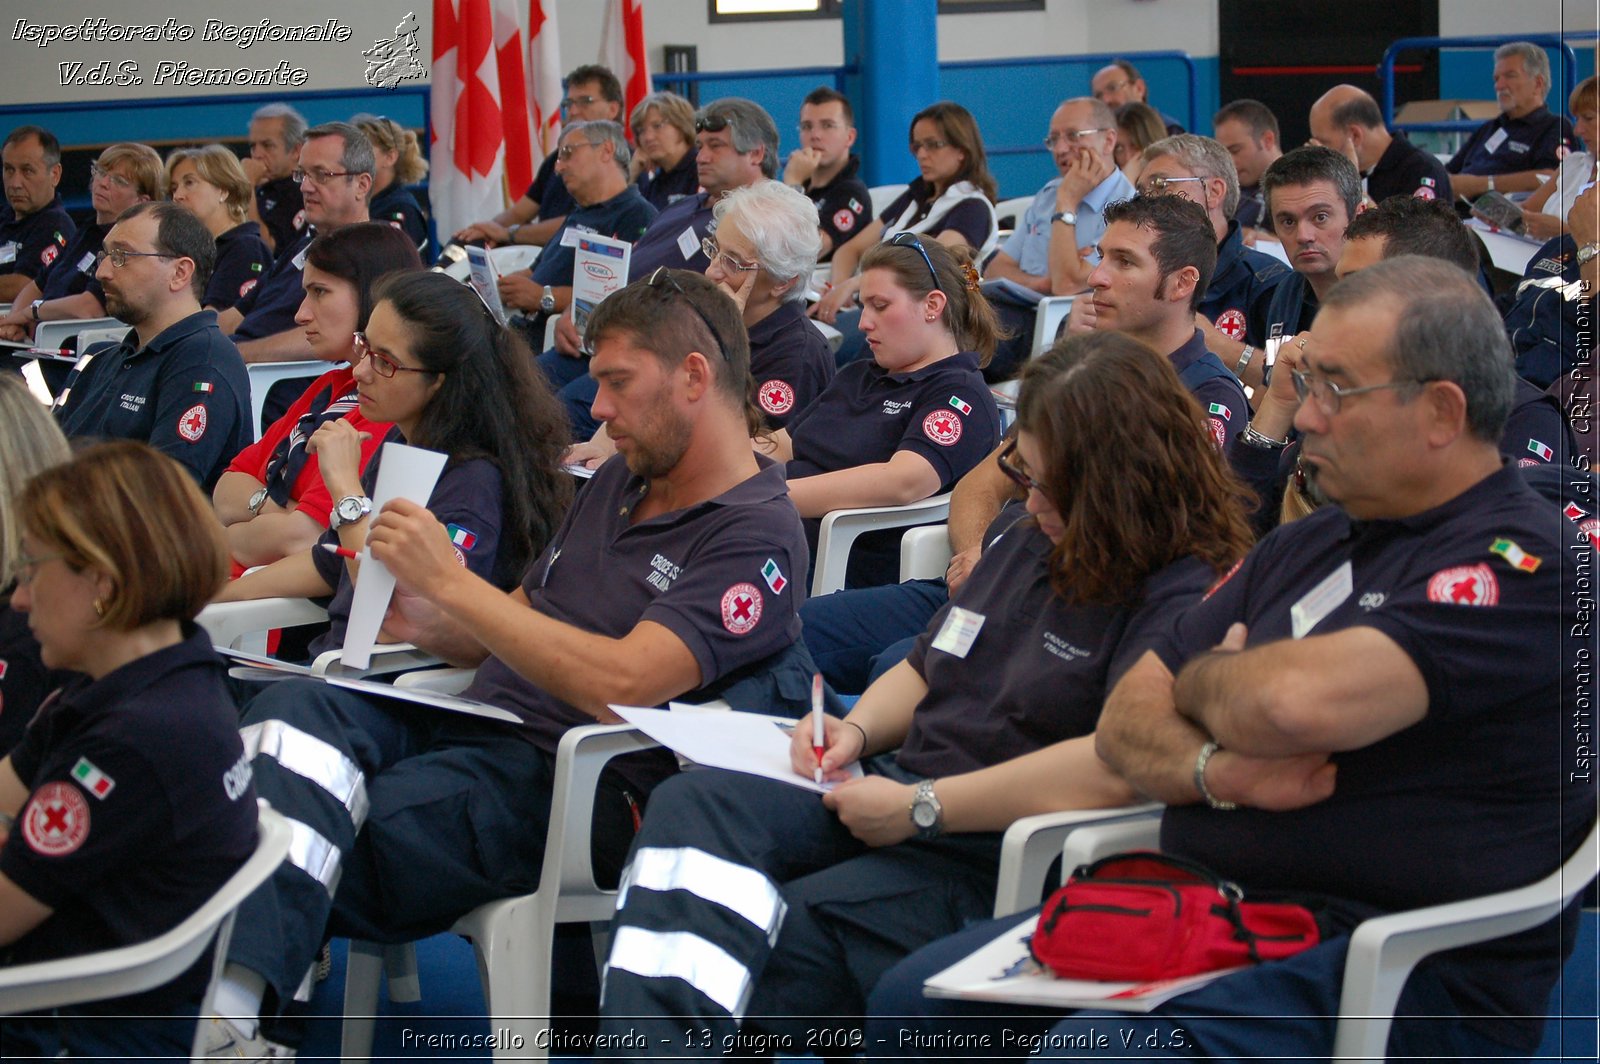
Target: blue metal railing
[[1460, 125]]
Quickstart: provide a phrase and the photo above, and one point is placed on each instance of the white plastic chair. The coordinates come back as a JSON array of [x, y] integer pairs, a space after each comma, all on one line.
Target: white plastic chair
[[883, 195], [1008, 212], [233, 624], [1384, 949], [127, 970], [54, 334], [1047, 318], [924, 552], [1033, 843], [513, 937], [841, 528], [263, 375], [829, 333]]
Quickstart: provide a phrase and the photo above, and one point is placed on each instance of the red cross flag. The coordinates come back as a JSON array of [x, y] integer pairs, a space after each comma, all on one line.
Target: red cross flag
[[495, 98]]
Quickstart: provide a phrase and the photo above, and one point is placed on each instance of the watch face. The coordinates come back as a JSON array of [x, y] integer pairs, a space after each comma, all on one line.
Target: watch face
[[350, 509], [923, 815]]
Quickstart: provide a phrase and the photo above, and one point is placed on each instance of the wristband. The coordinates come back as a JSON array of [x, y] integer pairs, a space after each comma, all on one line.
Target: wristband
[[1491, 182], [1200, 779], [1245, 356], [1258, 439], [863, 732]]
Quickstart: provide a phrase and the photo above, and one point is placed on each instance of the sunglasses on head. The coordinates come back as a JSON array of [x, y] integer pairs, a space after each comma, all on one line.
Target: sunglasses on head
[[662, 277], [911, 240], [711, 123]]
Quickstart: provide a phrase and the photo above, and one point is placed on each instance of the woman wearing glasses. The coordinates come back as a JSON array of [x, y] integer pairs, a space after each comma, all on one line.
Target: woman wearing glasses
[[30, 441], [399, 163], [910, 421], [127, 802], [664, 165], [989, 720], [210, 182], [272, 500], [951, 201], [433, 362]]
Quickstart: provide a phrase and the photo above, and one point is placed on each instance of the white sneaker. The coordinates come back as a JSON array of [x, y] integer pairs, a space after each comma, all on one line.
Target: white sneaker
[[221, 1040]]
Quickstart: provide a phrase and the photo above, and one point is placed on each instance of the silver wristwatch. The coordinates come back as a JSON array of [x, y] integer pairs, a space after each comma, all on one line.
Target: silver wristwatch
[[349, 510], [927, 815], [547, 302], [1070, 217], [257, 501]]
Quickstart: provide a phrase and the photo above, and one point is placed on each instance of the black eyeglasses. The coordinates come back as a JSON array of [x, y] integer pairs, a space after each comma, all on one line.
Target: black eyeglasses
[[663, 276], [711, 123], [383, 363], [583, 101], [1007, 460], [911, 240], [318, 176]]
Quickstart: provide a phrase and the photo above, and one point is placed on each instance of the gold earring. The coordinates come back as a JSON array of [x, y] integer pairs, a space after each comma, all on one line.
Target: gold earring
[[99, 608]]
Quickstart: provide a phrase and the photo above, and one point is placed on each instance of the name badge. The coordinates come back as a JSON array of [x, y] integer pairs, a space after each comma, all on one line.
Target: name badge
[[300, 259], [1321, 600], [8, 252], [688, 243], [1492, 145], [959, 631], [570, 236], [86, 264]]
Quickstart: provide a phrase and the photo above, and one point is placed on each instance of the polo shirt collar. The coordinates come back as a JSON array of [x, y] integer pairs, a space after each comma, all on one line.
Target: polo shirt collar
[[96, 697], [178, 332], [764, 331], [967, 359]]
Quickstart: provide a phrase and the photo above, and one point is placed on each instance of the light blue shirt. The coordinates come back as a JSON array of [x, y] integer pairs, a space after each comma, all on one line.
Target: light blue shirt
[[1029, 243]]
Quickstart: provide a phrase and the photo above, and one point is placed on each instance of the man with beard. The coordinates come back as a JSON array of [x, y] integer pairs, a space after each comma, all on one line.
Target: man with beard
[[175, 381], [675, 574]]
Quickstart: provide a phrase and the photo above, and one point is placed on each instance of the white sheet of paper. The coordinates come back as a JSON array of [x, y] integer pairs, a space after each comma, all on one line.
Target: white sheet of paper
[[436, 699], [742, 742], [406, 473], [599, 267], [485, 281], [1003, 971]]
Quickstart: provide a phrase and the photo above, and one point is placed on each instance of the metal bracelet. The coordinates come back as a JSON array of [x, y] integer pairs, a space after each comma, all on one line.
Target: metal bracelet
[[1200, 779]]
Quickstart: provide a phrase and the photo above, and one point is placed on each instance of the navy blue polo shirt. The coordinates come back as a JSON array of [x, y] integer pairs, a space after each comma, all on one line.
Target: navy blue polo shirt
[[1220, 395], [398, 207], [242, 263], [1406, 170], [1484, 772], [186, 394], [725, 576], [31, 243], [468, 499], [140, 806], [1039, 669], [790, 363], [73, 270], [624, 216], [1291, 308], [1547, 330], [972, 218], [843, 205], [662, 188], [24, 679], [1241, 289], [943, 412], [283, 211], [676, 230], [1537, 432], [549, 191], [1252, 210], [269, 308], [1505, 145]]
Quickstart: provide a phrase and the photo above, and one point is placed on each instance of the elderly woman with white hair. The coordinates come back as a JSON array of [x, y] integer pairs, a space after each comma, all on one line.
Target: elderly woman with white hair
[[763, 248]]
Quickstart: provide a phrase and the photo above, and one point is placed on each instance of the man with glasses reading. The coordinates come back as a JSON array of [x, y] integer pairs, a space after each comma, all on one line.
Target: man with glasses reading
[[175, 382], [825, 168], [593, 95], [736, 144], [335, 177], [1052, 248], [593, 162]]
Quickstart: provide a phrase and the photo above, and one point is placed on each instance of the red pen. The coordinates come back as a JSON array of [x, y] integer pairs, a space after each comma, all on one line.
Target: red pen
[[344, 552], [816, 721]]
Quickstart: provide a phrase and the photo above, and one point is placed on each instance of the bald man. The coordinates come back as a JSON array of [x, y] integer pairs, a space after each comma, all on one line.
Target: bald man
[[1347, 120]]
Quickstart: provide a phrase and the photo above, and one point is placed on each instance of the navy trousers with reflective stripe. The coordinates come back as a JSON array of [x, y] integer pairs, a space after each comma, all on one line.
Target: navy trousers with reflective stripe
[[720, 856], [458, 809]]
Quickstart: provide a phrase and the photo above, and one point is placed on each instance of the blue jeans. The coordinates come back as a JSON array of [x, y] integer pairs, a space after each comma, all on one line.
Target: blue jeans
[[855, 636]]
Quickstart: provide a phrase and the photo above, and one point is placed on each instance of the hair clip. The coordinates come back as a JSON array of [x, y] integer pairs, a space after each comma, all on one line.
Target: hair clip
[[971, 275]]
